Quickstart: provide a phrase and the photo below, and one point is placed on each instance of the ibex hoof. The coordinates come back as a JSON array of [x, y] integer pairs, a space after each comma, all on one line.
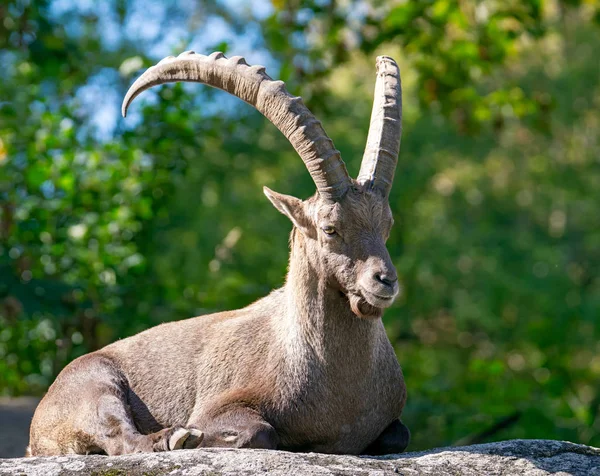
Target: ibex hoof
[[185, 438], [193, 441]]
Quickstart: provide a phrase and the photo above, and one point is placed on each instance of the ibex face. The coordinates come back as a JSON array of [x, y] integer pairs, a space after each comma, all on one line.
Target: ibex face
[[348, 221], [345, 242], [356, 253]]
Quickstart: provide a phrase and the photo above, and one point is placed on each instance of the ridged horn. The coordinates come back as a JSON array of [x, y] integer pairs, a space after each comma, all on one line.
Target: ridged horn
[[383, 143], [251, 84]]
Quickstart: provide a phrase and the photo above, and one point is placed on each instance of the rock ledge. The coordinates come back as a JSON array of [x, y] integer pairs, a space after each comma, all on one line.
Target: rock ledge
[[523, 457]]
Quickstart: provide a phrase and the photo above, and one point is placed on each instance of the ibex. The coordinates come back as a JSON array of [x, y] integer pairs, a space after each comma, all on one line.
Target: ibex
[[308, 367]]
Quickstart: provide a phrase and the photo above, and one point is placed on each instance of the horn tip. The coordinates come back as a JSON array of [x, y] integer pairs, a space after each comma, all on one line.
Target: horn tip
[[384, 59], [386, 64], [127, 102]]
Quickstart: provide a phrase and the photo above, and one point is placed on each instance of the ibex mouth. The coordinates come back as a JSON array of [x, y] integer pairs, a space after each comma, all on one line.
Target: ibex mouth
[[378, 300]]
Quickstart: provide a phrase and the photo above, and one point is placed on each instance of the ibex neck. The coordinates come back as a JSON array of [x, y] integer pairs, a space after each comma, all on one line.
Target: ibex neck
[[318, 316]]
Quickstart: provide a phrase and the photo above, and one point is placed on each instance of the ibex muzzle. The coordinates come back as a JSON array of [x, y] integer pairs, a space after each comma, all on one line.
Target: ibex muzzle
[[307, 368]]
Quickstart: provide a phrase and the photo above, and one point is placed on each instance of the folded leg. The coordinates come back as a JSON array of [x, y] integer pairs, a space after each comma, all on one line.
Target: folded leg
[[237, 427], [86, 411]]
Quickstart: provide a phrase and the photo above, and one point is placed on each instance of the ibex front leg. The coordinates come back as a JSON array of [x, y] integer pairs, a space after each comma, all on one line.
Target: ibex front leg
[[237, 426], [118, 434]]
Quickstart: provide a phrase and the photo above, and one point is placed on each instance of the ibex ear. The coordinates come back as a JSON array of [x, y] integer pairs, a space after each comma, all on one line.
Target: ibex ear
[[291, 207]]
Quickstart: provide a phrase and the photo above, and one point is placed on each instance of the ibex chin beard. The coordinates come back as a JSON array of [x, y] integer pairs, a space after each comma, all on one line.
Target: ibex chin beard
[[362, 308]]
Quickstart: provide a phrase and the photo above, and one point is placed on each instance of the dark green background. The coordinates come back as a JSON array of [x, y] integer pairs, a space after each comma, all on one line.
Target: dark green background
[[108, 227]]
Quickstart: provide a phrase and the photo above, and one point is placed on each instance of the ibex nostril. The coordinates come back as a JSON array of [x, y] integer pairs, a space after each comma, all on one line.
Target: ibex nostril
[[386, 279]]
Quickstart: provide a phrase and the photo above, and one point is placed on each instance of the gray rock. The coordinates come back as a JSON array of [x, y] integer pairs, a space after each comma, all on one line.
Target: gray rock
[[514, 457]]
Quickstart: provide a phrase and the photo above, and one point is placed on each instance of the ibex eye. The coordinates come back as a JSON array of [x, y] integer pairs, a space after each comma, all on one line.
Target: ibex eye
[[329, 230]]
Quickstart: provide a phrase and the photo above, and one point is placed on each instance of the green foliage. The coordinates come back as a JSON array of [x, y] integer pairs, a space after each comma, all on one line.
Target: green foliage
[[109, 227]]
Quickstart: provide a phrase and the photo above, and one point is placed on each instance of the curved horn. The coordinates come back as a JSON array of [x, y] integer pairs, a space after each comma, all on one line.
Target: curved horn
[[383, 143], [253, 85]]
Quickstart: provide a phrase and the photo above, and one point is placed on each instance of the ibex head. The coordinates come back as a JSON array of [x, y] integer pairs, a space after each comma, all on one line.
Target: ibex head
[[345, 225]]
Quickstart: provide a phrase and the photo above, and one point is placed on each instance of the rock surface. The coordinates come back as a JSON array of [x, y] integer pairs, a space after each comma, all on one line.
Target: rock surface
[[514, 457]]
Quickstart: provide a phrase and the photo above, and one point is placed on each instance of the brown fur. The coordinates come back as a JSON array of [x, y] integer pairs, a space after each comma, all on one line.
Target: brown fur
[[308, 367]]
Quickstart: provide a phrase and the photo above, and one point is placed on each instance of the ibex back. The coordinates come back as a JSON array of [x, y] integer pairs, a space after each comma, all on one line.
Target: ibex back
[[307, 368]]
